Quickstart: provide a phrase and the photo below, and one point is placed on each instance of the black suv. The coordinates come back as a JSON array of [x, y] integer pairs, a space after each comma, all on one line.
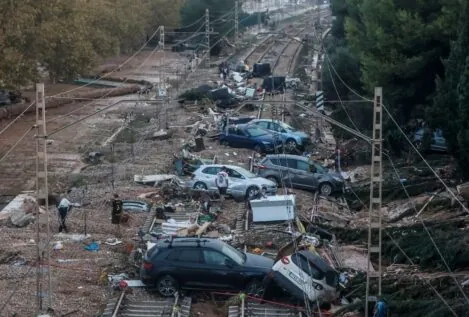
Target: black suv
[[205, 263]]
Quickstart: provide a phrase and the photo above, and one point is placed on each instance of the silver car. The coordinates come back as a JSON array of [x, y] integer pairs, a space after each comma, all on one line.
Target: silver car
[[241, 182]]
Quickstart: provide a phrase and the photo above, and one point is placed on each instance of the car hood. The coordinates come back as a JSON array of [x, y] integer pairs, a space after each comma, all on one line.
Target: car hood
[[258, 261], [299, 134], [334, 174], [262, 181]]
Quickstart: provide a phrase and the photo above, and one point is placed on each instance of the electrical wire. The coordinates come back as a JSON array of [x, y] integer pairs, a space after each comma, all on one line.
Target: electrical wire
[[192, 24], [415, 209], [90, 83], [405, 136], [16, 144]]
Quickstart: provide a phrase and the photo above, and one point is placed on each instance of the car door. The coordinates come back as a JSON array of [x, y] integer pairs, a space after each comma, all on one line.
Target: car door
[[241, 139], [208, 176], [188, 266], [289, 172], [221, 272], [305, 177], [237, 182], [277, 130]]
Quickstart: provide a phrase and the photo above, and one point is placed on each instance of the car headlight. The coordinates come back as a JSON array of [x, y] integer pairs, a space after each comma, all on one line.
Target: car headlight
[[338, 179], [266, 142]]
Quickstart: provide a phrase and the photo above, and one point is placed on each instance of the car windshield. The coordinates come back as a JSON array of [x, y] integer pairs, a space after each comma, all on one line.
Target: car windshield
[[253, 131], [236, 255], [320, 169], [287, 127], [245, 173]]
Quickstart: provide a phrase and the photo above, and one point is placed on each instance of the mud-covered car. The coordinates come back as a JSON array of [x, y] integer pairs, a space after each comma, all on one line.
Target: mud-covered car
[[303, 273]]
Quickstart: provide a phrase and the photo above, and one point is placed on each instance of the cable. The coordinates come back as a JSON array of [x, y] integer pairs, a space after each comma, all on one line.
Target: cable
[[19, 116], [90, 103], [428, 233], [405, 136], [90, 83], [15, 145], [340, 99], [189, 25], [415, 209], [115, 69]]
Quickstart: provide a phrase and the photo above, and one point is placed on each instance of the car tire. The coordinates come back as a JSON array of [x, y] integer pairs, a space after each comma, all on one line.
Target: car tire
[[200, 186], [167, 286], [251, 191], [325, 189], [291, 144], [254, 288], [274, 179], [258, 148], [225, 143]]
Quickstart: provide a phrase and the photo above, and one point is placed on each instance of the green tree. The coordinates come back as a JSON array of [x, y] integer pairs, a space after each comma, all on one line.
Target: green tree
[[450, 109], [400, 45]]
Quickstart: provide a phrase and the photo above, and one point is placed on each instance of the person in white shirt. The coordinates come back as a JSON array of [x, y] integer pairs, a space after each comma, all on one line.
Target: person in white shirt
[[221, 181], [63, 207]]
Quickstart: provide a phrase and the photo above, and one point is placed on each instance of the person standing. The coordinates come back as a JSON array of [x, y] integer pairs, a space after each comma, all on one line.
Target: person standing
[[381, 309], [63, 208], [221, 181], [116, 211]]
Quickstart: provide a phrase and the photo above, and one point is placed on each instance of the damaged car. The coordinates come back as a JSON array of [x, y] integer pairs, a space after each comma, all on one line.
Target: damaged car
[[303, 275], [250, 136], [242, 183], [202, 264]]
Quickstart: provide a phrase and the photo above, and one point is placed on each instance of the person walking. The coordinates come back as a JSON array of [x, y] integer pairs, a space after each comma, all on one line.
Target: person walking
[[63, 208], [116, 211], [381, 309], [221, 181]]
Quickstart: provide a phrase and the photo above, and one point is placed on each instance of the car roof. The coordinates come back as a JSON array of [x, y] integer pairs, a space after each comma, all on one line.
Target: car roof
[[221, 165], [189, 242], [319, 262], [291, 156]]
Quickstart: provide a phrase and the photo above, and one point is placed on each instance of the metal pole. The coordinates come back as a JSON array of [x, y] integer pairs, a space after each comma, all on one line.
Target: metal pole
[[39, 194], [207, 35], [375, 221], [236, 21]]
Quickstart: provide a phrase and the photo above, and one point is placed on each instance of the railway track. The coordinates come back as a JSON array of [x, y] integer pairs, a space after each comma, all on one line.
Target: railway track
[[122, 306]]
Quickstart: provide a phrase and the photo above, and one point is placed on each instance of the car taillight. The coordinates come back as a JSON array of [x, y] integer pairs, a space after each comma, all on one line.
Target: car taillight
[[285, 260], [260, 167], [147, 266]]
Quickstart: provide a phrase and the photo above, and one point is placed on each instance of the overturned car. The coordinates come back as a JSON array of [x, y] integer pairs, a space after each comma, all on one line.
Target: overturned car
[[303, 275]]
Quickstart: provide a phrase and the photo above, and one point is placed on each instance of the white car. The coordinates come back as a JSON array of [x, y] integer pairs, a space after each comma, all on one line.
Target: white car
[[304, 273], [241, 182]]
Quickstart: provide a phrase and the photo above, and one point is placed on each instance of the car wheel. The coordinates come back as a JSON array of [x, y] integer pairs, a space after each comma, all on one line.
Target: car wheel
[[251, 191], [167, 286], [325, 189], [274, 179], [255, 289], [200, 186], [291, 144], [225, 143], [258, 148]]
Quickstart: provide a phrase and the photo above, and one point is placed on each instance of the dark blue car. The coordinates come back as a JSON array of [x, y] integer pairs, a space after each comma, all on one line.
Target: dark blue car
[[250, 137]]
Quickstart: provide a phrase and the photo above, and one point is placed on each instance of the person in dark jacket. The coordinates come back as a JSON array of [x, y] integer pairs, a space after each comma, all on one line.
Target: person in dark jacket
[[116, 211]]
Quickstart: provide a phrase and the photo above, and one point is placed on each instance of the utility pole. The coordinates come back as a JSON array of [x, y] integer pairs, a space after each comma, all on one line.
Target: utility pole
[[42, 192], [375, 198], [236, 21], [259, 14], [207, 35], [162, 80]]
